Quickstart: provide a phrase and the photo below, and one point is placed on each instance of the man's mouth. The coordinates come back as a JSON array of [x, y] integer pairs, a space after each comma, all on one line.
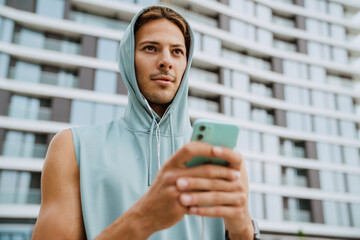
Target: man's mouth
[[165, 78]]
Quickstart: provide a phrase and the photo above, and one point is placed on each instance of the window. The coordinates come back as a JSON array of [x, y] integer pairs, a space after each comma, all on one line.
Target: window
[[261, 89], [242, 57], [51, 8], [31, 72], [105, 81], [50, 41], [261, 115], [297, 210], [285, 45], [19, 187], [201, 75], [107, 49], [284, 21], [292, 148], [242, 30], [27, 145], [90, 113], [29, 108], [4, 65], [245, 6], [295, 177], [97, 21], [202, 101], [336, 213]]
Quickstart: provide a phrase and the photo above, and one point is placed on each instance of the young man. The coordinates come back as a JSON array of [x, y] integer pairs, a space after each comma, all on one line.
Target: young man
[[127, 179]]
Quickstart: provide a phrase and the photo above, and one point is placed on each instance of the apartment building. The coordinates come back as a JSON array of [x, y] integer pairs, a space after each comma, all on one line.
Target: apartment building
[[286, 71]]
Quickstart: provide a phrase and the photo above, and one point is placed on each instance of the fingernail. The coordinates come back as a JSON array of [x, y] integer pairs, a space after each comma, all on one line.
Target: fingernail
[[182, 183], [193, 210], [236, 174], [218, 150], [186, 199]]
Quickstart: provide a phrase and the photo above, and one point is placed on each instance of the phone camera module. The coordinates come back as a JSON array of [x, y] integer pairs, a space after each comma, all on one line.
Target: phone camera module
[[202, 128], [200, 137]]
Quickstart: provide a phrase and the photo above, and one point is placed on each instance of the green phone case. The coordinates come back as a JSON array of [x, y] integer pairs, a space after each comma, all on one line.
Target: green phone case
[[216, 134]]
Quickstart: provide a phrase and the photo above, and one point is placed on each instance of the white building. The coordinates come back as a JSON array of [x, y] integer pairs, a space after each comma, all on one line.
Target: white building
[[287, 72]]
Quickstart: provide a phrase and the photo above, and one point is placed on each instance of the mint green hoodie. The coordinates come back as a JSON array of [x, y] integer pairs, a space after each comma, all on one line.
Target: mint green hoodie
[[119, 160]]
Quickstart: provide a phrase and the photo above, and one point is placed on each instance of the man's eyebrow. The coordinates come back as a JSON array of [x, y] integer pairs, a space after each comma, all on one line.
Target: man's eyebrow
[[157, 43]]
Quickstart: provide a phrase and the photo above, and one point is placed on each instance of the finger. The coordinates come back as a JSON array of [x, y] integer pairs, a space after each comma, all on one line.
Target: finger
[[218, 211], [188, 151], [205, 184], [233, 158], [213, 198], [210, 171]]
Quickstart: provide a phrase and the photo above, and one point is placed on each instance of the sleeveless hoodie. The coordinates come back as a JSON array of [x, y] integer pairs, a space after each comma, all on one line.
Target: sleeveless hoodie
[[119, 160]]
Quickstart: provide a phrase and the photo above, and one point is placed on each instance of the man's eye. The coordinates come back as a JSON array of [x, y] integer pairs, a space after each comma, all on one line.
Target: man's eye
[[149, 48], [178, 51]]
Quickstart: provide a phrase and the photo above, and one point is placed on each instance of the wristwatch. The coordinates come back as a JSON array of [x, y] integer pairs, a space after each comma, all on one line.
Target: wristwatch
[[256, 231]]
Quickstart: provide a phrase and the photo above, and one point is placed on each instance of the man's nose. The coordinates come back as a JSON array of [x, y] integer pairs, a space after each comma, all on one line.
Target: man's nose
[[165, 62]]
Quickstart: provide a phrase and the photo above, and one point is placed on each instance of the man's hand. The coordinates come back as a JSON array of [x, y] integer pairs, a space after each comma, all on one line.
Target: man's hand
[[223, 192], [178, 190]]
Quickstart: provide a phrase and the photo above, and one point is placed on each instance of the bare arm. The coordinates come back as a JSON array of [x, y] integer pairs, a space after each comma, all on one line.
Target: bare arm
[[60, 214]]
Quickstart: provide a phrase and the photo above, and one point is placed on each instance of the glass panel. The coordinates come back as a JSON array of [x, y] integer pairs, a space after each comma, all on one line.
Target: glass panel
[[11, 147], [340, 55], [298, 210], [336, 9], [282, 21], [4, 65], [284, 45], [15, 188], [27, 72], [51, 8], [245, 6], [107, 49], [330, 213], [147, 2], [263, 12], [98, 21], [355, 214], [256, 205], [264, 37], [351, 156], [197, 41], [347, 129], [353, 183], [6, 30], [243, 142], [203, 104], [274, 208], [241, 109], [30, 38], [197, 74], [105, 81], [211, 45]]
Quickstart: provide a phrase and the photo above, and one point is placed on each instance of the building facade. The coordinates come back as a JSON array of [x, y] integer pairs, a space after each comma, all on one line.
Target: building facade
[[286, 71]]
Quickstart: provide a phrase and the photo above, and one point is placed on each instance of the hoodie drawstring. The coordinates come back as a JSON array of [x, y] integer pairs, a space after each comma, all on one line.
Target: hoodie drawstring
[[158, 140], [150, 150], [172, 136]]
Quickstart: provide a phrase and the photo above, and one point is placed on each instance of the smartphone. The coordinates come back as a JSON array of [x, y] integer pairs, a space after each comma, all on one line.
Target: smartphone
[[215, 133]]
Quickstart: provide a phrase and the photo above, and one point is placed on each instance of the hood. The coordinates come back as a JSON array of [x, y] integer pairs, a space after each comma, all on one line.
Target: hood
[[138, 115]]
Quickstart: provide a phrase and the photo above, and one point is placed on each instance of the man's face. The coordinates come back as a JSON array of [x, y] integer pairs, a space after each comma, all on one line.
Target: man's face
[[160, 60]]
